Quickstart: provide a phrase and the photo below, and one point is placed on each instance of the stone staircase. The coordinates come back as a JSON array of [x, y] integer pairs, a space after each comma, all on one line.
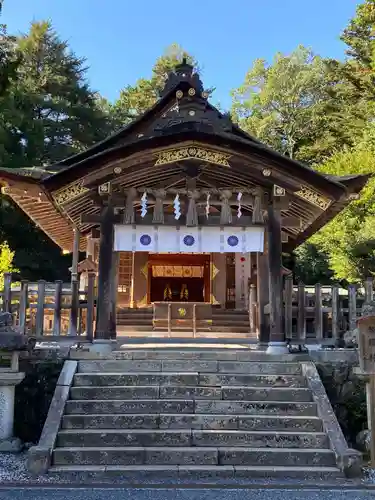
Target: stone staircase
[[223, 321], [216, 414]]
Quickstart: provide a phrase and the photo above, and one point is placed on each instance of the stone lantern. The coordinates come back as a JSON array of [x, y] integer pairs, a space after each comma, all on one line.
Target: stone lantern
[[11, 343]]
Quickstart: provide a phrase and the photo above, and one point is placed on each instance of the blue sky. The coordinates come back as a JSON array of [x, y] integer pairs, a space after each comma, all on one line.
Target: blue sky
[[121, 39]]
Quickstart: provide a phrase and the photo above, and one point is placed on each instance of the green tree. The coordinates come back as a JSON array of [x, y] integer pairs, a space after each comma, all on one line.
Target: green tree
[[359, 36], [9, 60], [47, 113], [353, 80], [50, 112], [349, 239], [6, 262], [284, 104], [312, 265]]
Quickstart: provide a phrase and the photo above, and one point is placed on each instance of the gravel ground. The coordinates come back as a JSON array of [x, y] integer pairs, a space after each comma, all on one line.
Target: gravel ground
[[13, 472], [179, 494]]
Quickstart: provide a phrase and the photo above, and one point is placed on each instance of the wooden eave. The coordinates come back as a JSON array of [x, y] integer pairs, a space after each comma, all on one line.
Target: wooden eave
[[263, 155], [354, 184], [36, 198], [147, 174], [33, 199]]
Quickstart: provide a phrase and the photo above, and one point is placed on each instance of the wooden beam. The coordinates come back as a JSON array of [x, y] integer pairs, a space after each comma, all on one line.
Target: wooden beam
[[97, 219], [281, 202], [291, 222], [169, 220]]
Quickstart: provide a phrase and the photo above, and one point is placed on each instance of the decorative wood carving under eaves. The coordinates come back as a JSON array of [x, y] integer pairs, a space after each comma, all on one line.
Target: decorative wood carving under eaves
[[313, 197], [70, 192], [192, 153]]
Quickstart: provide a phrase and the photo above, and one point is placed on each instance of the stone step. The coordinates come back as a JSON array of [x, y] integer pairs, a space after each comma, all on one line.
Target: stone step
[[136, 314], [241, 393], [277, 408], [129, 330], [157, 406], [121, 379], [277, 457], [269, 457], [225, 379], [250, 368], [234, 312], [162, 473], [232, 393], [188, 438], [230, 315], [135, 456], [137, 392], [135, 322], [215, 328], [213, 354], [146, 392], [144, 407], [181, 421], [234, 322], [176, 379], [216, 318]]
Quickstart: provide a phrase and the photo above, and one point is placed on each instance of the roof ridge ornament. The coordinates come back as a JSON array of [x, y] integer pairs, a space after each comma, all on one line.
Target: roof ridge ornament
[[183, 72]]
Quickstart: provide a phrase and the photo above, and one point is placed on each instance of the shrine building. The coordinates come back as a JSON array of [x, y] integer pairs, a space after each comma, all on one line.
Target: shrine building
[[181, 206]]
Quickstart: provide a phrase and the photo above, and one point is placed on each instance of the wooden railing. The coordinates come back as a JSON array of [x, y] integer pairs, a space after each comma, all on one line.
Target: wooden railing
[[322, 314], [315, 314], [50, 310], [312, 314], [177, 316]]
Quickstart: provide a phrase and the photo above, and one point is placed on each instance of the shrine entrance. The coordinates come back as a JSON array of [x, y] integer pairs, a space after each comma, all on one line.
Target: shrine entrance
[[178, 278]]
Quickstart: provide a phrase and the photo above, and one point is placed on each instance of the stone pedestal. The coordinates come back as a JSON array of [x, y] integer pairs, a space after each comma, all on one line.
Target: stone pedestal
[[366, 339], [277, 348], [11, 343], [102, 346], [8, 382]]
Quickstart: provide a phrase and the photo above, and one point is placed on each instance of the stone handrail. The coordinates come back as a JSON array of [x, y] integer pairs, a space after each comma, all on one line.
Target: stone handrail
[[348, 460], [39, 457]]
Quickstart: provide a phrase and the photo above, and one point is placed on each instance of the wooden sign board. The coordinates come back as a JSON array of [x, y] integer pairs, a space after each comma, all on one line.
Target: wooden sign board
[[366, 341]]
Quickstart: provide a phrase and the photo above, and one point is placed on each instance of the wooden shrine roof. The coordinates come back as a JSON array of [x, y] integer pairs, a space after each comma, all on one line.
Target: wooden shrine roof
[[181, 136]]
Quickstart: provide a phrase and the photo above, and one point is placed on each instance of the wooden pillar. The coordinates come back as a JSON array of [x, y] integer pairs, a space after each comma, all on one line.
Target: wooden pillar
[[132, 282], [114, 292], [277, 343], [75, 255], [104, 301], [263, 298], [74, 310], [90, 248]]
